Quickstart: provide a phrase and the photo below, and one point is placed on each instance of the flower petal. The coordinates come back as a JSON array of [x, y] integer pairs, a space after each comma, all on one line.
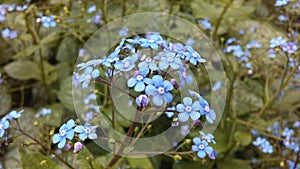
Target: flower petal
[[56, 138], [150, 90], [195, 115], [183, 117], [62, 143], [131, 82], [79, 129], [187, 101], [201, 154], [157, 100], [140, 86]]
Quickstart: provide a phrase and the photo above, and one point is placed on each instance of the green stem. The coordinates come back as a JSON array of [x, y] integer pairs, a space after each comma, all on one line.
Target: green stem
[[220, 20]]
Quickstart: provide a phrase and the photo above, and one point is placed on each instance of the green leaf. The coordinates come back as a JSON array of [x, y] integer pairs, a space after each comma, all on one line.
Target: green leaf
[[23, 70], [243, 138], [65, 94], [140, 162], [5, 101], [34, 160], [233, 164], [67, 50]]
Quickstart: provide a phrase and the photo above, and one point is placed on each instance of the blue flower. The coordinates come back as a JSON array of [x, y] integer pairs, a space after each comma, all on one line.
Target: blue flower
[[185, 78], [127, 64], [230, 41], [217, 86], [135, 40], [90, 97], [192, 56], [66, 131], [201, 147], [14, 115], [159, 89], [147, 63], [142, 100], [48, 21], [188, 109], [253, 44], [206, 25], [91, 9], [277, 42], [1, 80], [207, 137], [190, 42], [289, 47], [282, 18], [97, 18], [152, 41], [43, 112], [287, 133], [209, 113], [86, 131], [263, 144], [76, 79], [281, 2], [169, 59], [4, 124], [12, 34], [123, 32], [88, 75], [139, 80]]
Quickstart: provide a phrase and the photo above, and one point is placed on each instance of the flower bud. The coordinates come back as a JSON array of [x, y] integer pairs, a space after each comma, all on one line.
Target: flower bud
[[77, 147], [142, 100], [68, 147], [174, 83]]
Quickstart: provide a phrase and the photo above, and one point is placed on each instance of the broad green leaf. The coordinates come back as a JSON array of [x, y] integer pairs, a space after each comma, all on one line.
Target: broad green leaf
[[65, 94], [5, 101], [34, 160], [67, 50], [23, 70], [145, 163], [229, 163], [243, 138]]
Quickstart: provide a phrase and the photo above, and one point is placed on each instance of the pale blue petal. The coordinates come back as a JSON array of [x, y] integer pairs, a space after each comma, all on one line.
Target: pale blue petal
[[195, 148], [163, 65], [152, 66], [196, 105], [70, 134], [95, 73], [1, 133], [147, 80], [197, 140], [79, 129], [70, 124], [150, 90], [208, 149], [154, 46], [212, 114], [168, 97], [56, 138], [140, 86], [82, 136], [201, 154], [195, 115], [5, 124], [189, 79], [209, 119], [174, 66], [157, 79], [62, 143], [131, 82], [157, 100], [187, 101], [183, 117], [180, 108], [92, 136], [167, 85]]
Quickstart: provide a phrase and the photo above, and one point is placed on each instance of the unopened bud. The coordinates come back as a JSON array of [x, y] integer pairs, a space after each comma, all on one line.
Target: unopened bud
[[77, 147], [142, 100], [177, 157]]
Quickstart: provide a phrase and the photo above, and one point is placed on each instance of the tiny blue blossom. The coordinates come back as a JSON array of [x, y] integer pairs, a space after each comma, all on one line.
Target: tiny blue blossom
[[139, 80], [88, 75], [127, 64], [7, 33], [192, 56], [290, 47], [207, 137], [97, 18], [277, 42], [263, 144], [169, 59], [152, 41], [14, 115], [201, 147], [147, 63], [281, 2], [188, 109], [43, 112], [123, 32], [86, 131], [4, 124], [217, 86], [184, 77], [206, 25], [91, 9], [282, 18], [48, 21], [253, 44], [160, 90], [66, 131], [209, 113]]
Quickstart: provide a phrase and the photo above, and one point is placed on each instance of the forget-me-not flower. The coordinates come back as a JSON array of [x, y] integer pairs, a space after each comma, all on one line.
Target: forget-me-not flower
[[126, 64], [201, 147], [188, 109], [4, 124], [86, 131], [66, 131], [139, 80]]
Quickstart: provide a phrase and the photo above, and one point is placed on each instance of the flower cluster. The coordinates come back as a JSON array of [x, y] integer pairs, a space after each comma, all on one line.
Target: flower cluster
[[68, 130], [5, 121], [263, 144], [202, 147], [4, 8], [280, 44], [47, 21], [8, 33]]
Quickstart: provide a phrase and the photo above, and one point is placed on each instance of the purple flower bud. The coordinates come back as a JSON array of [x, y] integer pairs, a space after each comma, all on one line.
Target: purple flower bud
[[68, 147], [212, 155], [197, 123], [142, 100], [174, 83], [77, 147]]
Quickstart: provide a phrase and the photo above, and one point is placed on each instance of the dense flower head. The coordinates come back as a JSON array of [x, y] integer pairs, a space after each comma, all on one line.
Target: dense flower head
[[66, 131]]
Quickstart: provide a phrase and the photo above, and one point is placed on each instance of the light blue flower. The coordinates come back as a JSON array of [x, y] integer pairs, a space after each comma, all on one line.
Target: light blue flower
[[48, 21], [188, 109], [290, 47], [152, 41], [263, 144], [14, 115], [201, 147], [139, 80], [91, 9], [76, 79], [281, 2], [123, 32], [277, 42], [206, 25], [43, 112], [253, 44], [217, 86], [97, 18], [147, 63], [192, 56], [209, 113], [160, 90], [12, 34], [66, 131], [86, 131], [1, 80], [230, 41], [169, 59], [88, 75], [207, 137], [127, 64], [4, 124], [282, 18]]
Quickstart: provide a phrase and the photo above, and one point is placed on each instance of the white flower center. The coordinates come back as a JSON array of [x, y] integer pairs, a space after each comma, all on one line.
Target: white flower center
[[188, 109], [148, 59], [87, 131], [206, 108], [1, 126], [170, 59], [194, 54], [161, 90], [139, 77], [151, 41], [201, 147], [126, 65], [63, 133]]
